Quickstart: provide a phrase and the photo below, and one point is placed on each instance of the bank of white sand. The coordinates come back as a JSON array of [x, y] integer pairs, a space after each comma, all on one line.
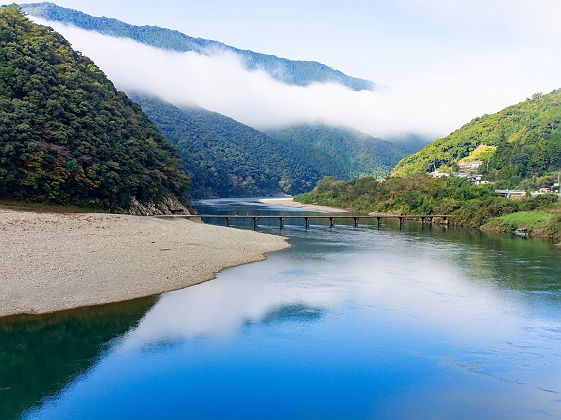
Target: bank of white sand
[[56, 261], [289, 202]]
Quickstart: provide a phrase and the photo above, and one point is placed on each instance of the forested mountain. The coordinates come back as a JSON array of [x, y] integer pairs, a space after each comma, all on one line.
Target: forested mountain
[[301, 73], [68, 136], [340, 152], [225, 158], [521, 141]]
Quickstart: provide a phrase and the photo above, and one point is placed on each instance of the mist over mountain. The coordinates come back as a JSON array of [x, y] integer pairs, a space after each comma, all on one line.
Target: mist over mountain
[[299, 73], [177, 78], [220, 80]]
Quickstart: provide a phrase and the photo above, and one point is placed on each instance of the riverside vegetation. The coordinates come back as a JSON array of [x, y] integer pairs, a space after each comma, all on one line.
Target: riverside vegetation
[[471, 206], [518, 147], [67, 136]]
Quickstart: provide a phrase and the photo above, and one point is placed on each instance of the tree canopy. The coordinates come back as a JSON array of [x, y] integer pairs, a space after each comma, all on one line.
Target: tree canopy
[[67, 135], [225, 158], [341, 152]]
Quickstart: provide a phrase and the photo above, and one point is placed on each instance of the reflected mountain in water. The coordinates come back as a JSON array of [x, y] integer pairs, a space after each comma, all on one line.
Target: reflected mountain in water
[[41, 354], [297, 312]]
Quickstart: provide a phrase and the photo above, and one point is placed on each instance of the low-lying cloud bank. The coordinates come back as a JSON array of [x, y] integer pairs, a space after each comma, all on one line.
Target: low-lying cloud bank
[[431, 101]]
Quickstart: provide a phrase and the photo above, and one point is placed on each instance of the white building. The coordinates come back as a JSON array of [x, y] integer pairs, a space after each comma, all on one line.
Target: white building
[[470, 166], [437, 174]]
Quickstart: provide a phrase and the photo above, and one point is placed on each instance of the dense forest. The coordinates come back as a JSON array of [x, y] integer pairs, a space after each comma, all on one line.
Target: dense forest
[[520, 142], [469, 205], [67, 135], [341, 152], [225, 158], [301, 73]]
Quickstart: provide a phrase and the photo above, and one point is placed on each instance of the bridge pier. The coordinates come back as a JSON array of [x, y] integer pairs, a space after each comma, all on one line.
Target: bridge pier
[[307, 219], [356, 221], [255, 220]]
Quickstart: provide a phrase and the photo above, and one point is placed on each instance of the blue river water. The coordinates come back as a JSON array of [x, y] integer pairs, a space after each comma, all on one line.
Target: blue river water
[[349, 323]]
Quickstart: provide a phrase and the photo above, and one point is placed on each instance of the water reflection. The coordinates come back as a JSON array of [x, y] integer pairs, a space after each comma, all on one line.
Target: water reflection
[[296, 312], [40, 355], [348, 323]]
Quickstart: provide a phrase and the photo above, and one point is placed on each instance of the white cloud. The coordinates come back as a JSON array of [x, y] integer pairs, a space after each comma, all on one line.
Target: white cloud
[[427, 99]]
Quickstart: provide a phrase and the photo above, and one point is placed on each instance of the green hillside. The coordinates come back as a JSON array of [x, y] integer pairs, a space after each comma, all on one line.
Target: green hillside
[[521, 141], [225, 158], [340, 152], [67, 136], [300, 73]]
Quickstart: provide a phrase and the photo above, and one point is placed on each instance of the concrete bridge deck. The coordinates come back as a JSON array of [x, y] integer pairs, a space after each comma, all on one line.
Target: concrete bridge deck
[[332, 218]]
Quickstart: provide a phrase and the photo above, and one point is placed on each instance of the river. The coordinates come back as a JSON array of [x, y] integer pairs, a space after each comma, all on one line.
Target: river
[[424, 322]]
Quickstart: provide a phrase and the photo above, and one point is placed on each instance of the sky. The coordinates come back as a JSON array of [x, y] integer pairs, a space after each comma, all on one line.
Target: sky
[[440, 62]]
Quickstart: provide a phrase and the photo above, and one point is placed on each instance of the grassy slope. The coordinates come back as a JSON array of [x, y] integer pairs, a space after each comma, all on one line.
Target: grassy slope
[[527, 137], [539, 223]]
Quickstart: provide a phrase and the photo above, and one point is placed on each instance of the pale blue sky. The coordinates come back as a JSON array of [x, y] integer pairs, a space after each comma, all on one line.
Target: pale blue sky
[[443, 62], [370, 38]]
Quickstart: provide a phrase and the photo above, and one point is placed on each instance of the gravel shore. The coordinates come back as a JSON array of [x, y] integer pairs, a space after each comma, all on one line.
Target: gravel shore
[[289, 202], [57, 261]]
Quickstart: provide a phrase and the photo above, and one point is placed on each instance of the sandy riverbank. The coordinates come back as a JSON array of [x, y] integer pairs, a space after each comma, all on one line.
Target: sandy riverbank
[[289, 202], [56, 261]]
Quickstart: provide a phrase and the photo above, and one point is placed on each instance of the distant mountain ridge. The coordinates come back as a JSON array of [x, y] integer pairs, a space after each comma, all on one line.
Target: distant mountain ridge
[[300, 73], [341, 152]]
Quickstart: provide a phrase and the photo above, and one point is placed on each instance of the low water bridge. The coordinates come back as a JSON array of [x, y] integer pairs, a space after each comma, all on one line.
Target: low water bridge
[[429, 218]]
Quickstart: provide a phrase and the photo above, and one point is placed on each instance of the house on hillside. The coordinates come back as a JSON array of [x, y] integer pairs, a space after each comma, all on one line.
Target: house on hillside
[[436, 174], [476, 179], [541, 191], [511, 193], [470, 166]]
